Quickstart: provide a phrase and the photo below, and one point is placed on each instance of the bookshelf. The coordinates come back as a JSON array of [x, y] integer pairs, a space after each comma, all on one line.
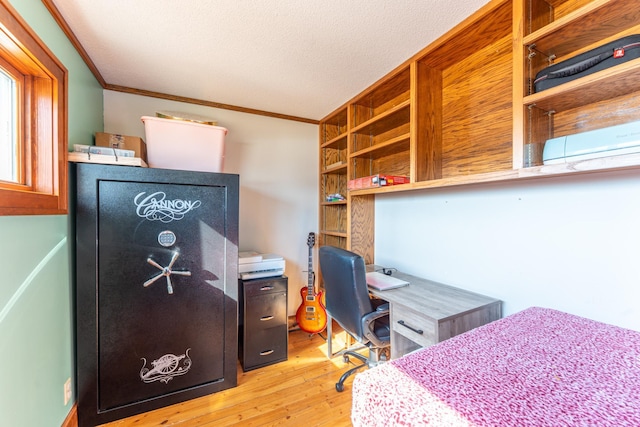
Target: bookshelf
[[460, 111]]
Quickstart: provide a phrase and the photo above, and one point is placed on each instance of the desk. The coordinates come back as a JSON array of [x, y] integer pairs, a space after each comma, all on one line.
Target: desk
[[425, 312]]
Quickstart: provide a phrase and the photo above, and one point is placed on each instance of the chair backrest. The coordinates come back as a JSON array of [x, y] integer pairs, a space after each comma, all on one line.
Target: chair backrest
[[345, 283]]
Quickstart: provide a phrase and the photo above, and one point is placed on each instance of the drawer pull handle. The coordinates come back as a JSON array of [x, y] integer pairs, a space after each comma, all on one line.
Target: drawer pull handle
[[266, 288], [266, 352], [417, 331], [265, 318]]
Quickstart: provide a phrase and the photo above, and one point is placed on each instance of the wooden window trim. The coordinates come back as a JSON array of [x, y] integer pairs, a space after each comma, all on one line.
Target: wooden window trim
[[43, 121]]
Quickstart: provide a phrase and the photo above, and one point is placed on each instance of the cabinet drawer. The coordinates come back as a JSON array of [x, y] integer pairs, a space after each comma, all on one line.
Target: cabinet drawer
[[413, 325], [266, 311], [264, 286], [265, 347]]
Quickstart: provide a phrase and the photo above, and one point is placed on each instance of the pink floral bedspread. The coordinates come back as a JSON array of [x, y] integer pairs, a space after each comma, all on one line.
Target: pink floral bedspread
[[539, 367]]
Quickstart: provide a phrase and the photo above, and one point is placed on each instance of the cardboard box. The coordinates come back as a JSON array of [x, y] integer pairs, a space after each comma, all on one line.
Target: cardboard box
[[374, 181], [122, 142]]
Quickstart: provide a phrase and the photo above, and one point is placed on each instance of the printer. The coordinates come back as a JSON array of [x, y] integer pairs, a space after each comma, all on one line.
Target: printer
[[609, 141], [254, 265]]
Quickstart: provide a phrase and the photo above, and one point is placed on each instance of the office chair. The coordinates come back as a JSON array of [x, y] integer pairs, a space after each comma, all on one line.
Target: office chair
[[349, 304]]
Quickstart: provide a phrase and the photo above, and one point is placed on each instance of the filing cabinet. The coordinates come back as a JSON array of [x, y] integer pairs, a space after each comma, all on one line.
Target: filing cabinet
[[263, 331]]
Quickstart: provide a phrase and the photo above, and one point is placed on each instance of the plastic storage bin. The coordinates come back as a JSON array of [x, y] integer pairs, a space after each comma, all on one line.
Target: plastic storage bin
[[179, 144]]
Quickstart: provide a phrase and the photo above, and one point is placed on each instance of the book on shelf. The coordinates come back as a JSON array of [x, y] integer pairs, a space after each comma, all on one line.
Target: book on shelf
[[378, 180], [104, 155]]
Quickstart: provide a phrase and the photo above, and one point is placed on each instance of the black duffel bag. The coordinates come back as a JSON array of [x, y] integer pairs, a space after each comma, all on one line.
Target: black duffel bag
[[600, 58]]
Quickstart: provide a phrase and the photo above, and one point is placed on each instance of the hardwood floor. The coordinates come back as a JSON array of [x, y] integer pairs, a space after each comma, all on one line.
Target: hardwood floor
[[298, 392]]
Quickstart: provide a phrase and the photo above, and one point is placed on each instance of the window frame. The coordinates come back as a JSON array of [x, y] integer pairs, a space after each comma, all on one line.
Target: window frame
[[42, 125]]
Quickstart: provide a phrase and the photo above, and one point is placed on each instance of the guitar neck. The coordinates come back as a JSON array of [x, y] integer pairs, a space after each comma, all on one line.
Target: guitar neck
[[310, 277]]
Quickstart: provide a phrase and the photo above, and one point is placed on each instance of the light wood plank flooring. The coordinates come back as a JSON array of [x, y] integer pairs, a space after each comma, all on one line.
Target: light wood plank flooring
[[298, 392]]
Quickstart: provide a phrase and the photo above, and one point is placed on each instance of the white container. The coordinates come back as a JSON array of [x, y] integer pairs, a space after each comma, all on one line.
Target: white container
[[179, 144]]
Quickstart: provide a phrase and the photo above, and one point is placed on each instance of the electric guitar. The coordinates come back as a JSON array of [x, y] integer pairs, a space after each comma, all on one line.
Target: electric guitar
[[311, 315]]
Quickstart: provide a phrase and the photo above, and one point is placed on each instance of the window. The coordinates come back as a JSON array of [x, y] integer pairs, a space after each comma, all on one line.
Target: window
[[8, 125], [33, 122]]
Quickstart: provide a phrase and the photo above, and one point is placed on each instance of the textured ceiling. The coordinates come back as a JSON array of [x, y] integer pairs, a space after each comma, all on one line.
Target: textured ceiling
[[301, 58]]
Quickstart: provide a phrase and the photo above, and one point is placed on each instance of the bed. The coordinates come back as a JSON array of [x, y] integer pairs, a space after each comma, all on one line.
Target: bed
[[539, 367]]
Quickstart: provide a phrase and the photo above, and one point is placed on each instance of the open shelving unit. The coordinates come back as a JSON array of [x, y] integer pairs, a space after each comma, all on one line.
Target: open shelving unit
[[562, 30], [461, 110], [380, 135], [333, 179]]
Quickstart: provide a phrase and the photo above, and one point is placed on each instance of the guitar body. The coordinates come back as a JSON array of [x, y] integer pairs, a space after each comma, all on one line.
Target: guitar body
[[311, 315]]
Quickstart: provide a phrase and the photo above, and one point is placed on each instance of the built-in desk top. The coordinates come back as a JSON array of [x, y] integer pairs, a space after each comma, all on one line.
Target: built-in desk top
[[433, 299], [426, 312]]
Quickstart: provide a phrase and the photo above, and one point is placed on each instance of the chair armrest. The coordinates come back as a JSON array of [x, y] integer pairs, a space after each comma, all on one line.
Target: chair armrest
[[367, 323], [381, 311], [383, 307]]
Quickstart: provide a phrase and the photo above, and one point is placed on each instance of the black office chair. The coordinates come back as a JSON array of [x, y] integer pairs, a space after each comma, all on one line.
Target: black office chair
[[348, 303]]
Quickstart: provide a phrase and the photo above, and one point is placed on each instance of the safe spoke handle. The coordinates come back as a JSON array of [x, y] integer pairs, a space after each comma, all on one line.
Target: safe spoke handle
[[166, 272]]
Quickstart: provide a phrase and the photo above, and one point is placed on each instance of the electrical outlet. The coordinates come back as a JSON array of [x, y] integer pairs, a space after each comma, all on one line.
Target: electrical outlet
[[67, 391]]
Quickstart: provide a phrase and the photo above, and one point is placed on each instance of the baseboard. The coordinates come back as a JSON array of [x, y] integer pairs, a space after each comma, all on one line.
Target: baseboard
[[72, 418]]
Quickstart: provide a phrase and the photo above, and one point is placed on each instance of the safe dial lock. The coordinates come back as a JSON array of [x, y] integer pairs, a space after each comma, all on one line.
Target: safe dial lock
[[166, 272]]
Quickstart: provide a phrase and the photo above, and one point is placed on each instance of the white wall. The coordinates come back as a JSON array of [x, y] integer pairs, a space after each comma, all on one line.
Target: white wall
[[277, 161], [570, 243]]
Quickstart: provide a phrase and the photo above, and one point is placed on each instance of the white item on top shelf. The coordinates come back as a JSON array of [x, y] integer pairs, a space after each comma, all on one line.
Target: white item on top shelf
[[185, 145]]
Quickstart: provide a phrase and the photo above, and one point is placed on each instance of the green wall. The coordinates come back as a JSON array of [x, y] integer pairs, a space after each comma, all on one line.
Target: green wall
[[36, 332]]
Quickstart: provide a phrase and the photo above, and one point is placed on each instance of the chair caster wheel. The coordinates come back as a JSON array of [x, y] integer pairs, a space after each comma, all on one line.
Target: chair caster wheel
[[345, 358], [339, 387]]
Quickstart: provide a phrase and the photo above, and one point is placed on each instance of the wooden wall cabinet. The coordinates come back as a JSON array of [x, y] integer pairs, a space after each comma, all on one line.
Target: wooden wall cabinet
[[461, 110]]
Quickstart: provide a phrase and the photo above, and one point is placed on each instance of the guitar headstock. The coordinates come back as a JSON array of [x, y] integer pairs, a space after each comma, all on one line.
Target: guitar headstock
[[311, 240]]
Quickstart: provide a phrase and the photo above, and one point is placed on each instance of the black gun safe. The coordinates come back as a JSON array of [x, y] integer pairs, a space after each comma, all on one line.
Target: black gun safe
[[156, 287]]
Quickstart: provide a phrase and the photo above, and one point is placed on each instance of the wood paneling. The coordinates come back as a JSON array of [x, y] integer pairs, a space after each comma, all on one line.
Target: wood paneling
[[362, 226], [426, 147], [477, 123]]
